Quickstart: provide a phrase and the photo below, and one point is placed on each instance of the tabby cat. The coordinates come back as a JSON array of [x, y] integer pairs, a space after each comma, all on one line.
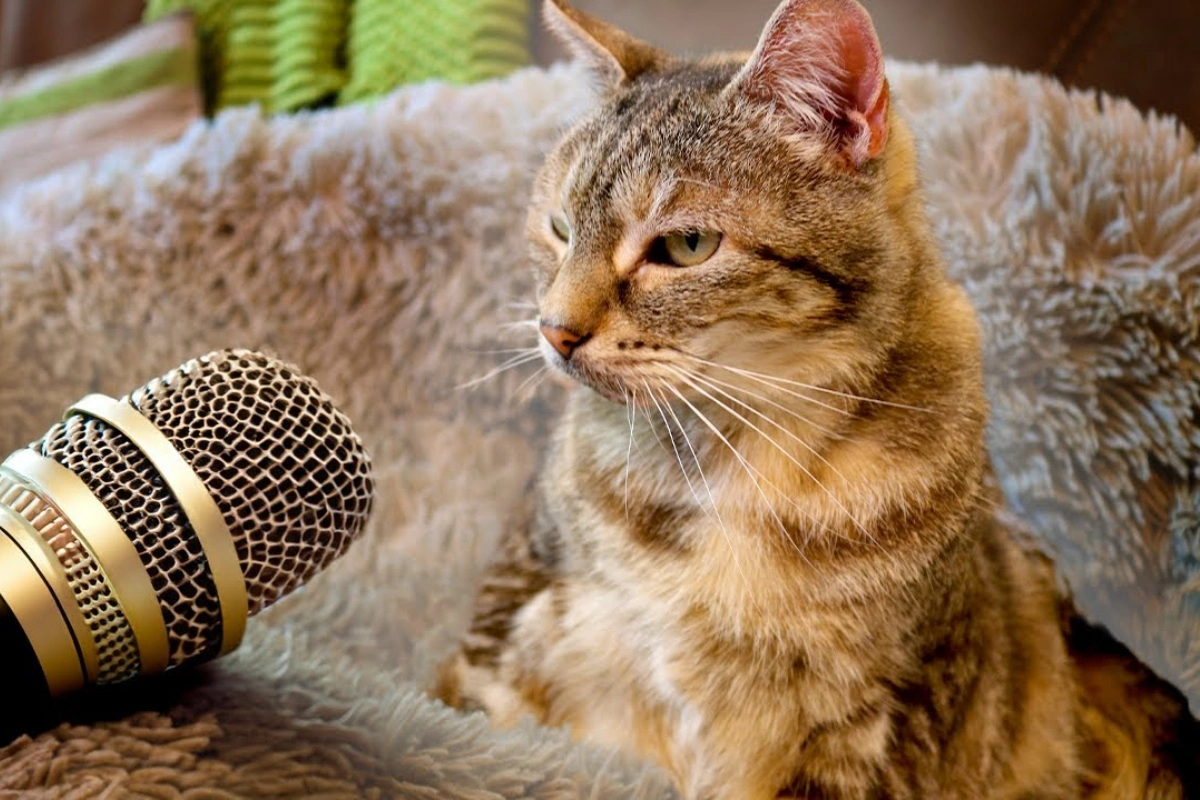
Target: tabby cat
[[763, 554]]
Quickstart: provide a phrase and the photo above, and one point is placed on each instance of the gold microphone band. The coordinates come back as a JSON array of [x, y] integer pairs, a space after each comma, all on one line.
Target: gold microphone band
[[198, 506], [34, 604], [100, 533], [43, 525]]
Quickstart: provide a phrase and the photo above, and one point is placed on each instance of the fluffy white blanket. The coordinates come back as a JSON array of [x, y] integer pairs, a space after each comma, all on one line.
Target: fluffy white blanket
[[380, 248]]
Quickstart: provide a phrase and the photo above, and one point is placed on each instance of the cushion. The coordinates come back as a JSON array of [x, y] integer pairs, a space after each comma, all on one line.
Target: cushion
[[286, 55], [139, 88]]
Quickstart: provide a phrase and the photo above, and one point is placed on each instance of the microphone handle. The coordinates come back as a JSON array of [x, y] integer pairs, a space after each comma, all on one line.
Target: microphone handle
[[40, 655], [27, 696]]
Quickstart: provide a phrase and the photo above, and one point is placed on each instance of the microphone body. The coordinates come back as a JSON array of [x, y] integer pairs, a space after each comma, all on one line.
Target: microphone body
[[20, 671], [139, 534]]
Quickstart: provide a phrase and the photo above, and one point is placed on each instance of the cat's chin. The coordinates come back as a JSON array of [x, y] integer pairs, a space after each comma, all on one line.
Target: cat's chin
[[609, 394], [602, 388]]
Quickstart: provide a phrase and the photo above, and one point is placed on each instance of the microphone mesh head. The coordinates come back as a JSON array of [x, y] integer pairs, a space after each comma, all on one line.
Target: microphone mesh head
[[115, 470], [291, 478]]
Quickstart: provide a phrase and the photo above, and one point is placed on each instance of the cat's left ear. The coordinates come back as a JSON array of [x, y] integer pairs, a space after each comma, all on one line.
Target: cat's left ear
[[819, 62], [611, 53]]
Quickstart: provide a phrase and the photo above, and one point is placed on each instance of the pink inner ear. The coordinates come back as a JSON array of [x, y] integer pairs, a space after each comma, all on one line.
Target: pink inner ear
[[820, 60], [867, 87]]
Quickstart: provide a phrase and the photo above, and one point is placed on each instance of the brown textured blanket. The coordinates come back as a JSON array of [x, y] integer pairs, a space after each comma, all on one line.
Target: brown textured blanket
[[379, 247]]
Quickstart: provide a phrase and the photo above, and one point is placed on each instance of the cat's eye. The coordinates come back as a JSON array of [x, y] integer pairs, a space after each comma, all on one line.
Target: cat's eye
[[685, 248], [560, 227]]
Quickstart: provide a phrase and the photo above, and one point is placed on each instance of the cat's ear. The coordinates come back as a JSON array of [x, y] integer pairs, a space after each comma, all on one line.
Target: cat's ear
[[819, 62], [611, 53]]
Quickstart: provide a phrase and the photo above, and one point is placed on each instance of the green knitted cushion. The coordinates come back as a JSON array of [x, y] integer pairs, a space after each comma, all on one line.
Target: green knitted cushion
[[143, 60], [142, 87], [392, 42], [212, 29], [291, 54], [309, 35]]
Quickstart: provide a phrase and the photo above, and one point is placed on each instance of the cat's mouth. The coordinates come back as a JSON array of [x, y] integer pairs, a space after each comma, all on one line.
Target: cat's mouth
[[602, 381], [622, 380]]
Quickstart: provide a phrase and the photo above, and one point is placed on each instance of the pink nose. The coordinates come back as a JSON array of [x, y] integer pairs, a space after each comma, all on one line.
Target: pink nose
[[563, 340]]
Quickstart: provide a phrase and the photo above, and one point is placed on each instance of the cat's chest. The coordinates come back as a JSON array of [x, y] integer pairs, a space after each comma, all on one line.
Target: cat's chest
[[703, 550], [675, 562], [629, 500]]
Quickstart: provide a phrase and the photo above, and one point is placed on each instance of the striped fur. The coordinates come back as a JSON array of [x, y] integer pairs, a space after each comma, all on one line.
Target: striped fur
[[764, 555]]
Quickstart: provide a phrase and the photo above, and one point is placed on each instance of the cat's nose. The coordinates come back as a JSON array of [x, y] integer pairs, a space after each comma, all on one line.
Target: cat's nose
[[562, 339]]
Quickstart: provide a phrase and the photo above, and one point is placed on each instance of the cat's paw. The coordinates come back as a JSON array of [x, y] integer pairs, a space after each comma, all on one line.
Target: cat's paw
[[471, 688]]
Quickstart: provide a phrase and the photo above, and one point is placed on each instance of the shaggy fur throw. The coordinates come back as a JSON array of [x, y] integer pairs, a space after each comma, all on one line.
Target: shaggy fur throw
[[380, 248]]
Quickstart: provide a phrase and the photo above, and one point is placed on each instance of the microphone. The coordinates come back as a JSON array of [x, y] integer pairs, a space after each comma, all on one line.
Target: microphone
[[138, 535]]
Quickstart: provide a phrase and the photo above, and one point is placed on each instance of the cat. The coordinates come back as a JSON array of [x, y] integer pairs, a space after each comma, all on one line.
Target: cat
[[764, 553]]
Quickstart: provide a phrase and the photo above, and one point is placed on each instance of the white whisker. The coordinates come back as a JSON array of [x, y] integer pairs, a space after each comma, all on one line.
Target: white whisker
[[650, 420], [793, 437], [787, 454], [671, 437], [629, 451], [505, 351], [790, 411], [520, 324], [531, 383], [515, 361], [751, 471], [699, 182], [757, 378], [849, 396], [737, 565], [772, 379], [754, 471]]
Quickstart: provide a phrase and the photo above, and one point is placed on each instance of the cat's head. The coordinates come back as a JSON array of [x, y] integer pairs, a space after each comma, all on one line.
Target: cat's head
[[754, 211]]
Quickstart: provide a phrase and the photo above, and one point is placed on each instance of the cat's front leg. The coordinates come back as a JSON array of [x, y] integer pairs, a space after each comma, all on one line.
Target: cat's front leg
[[472, 687], [479, 676]]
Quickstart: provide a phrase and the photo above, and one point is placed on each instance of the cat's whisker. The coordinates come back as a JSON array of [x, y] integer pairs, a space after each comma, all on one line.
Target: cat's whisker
[[674, 447], [773, 379], [515, 361], [824, 390], [649, 419], [770, 440], [793, 437], [631, 400], [763, 398], [519, 324], [751, 471], [629, 451], [763, 379], [531, 384], [716, 386], [737, 564], [505, 351]]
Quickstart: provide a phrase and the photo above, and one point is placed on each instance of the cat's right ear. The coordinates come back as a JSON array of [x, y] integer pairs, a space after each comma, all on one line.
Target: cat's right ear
[[613, 55]]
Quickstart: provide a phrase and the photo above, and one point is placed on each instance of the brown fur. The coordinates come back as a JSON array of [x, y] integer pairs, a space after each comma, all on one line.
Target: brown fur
[[830, 612]]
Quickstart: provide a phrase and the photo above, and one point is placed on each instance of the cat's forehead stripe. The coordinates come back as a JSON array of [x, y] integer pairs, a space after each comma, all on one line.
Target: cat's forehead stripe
[[664, 193], [567, 182], [629, 150]]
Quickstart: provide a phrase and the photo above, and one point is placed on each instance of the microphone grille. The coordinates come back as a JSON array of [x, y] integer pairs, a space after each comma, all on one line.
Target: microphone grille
[[100, 609], [122, 478], [290, 476]]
